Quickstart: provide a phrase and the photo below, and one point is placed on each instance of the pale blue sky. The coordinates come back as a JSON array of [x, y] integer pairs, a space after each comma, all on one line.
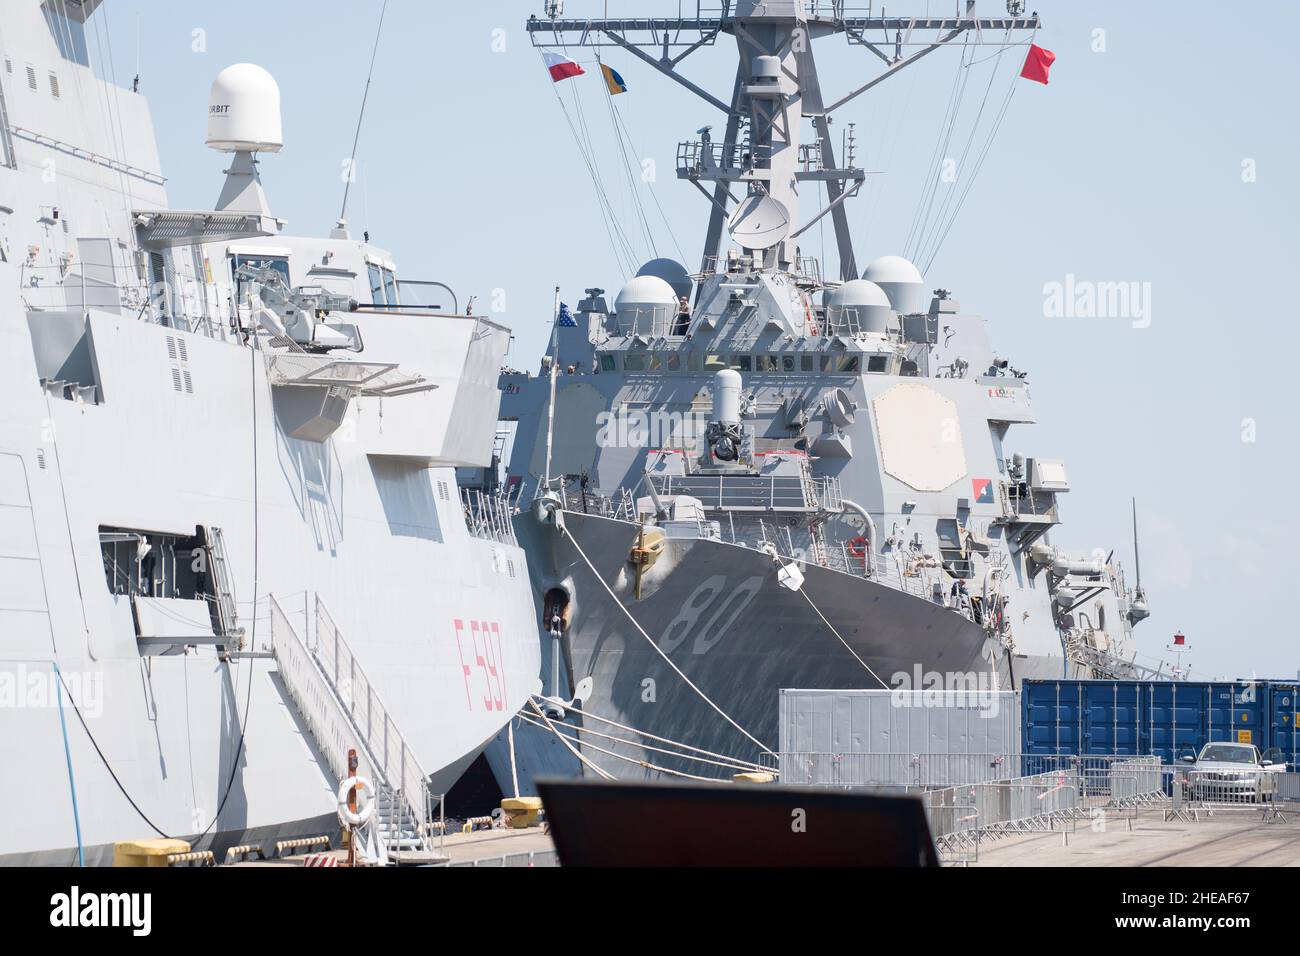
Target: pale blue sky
[[1127, 167]]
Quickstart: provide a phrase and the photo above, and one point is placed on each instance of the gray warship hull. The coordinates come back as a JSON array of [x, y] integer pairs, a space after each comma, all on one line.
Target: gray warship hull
[[720, 614]]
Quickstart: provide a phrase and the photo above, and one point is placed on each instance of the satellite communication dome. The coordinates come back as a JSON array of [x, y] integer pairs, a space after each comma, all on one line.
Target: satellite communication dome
[[672, 272], [858, 301], [647, 295], [901, 281], [244, 111]]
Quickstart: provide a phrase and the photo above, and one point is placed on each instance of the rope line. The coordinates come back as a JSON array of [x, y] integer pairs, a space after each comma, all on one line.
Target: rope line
[[729, 763], [658, 650]]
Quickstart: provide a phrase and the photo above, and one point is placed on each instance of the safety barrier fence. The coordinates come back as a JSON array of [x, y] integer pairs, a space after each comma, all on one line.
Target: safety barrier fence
[[973, 797], [945, 769], [546, 858]]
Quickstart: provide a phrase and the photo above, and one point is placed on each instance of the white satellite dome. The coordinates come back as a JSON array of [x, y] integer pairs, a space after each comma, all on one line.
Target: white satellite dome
[[901, 281], [645, 292], [672, 272], [858, 304], [244, 110]]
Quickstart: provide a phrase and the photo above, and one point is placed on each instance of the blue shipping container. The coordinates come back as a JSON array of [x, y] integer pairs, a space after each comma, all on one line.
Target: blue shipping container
[[1171, 719]]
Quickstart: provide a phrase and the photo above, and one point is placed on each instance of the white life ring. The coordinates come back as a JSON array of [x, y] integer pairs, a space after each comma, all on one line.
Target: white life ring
[[361, 817]]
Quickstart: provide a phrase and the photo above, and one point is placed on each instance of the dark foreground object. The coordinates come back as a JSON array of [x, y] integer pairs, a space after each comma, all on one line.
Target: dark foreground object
[[613, 823]]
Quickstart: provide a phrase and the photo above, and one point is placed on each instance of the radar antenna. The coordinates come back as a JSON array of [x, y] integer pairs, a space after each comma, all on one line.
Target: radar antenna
[[776, 88]]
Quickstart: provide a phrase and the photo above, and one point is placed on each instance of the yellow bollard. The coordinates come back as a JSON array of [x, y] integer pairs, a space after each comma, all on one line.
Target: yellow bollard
[[522, 812], [147, 852]]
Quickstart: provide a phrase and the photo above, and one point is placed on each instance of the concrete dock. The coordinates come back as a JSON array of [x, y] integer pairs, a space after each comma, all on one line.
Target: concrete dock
[[1236, 837]]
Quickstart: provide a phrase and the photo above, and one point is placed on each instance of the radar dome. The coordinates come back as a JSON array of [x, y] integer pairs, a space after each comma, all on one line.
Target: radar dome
[[858, 306], [244, 111], [645, 293], [901, 281], [672, 272]]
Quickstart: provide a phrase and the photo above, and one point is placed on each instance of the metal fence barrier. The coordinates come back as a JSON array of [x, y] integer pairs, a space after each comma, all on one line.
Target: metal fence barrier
[[1142, 774]]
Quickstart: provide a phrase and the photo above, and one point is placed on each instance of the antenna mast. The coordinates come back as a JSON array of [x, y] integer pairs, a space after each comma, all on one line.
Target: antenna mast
[[352, 160], [776, 89], [1137, 558]]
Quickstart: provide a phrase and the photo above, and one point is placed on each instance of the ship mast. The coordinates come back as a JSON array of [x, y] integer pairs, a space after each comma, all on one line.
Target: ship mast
[[776, 87]]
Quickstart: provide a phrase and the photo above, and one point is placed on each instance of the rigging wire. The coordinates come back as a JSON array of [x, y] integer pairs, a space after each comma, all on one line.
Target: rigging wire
[[618, 756], [659, 650], [926, 241], [627, 169], [590, 152], [649, 188], [979, 162], [710, 757], [931, 182]]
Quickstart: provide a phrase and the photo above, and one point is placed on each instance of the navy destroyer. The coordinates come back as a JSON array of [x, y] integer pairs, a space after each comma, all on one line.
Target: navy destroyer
[[749, 475], [231, 542]]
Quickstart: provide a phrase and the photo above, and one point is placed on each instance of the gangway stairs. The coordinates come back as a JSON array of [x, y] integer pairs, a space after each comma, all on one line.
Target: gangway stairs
[[342, 711], [223, 591]]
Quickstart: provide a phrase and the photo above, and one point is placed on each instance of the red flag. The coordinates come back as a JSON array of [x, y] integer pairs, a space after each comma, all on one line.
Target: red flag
[[561, 67], [1037, 62], [1179, 639]]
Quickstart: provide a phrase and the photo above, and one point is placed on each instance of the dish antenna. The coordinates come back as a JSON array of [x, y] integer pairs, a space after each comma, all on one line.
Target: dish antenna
[[759, 222]]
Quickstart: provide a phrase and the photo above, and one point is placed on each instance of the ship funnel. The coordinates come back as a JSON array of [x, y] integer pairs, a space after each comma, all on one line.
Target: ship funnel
[[726, 397]]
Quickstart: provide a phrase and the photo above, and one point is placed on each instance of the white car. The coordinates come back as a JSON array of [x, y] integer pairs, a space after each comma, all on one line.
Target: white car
[[1232, 773]]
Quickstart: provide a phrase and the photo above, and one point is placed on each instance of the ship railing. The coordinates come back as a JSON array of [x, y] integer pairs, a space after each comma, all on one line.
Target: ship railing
[[695, 156], [181, 301], [807, 270], [395, 762], [488, 515], [621, 507], [754, 493], [650, 322], [1019, 500], [328, 725]]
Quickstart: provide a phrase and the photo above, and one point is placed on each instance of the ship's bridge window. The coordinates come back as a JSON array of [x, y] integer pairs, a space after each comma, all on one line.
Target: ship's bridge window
[[608, 363], [788, 363], [68, 31], [674, 363], [693, 361], [741, 363], [713, 363], [878, 363], [805, 363], [383, 284], [656, 361], [634, 362], [839, 363], [279, 263], [767, 363]]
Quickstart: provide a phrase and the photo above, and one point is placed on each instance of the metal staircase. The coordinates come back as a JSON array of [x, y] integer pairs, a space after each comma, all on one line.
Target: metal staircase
[[342, 711], [223, 590]]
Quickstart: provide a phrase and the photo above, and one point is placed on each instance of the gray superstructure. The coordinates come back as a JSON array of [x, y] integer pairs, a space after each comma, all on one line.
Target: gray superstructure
[[784, 479], [228, 507]]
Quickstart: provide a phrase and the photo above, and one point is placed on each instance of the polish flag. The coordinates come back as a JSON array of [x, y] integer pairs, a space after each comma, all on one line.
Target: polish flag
[[1037, 62], [561, 67]]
